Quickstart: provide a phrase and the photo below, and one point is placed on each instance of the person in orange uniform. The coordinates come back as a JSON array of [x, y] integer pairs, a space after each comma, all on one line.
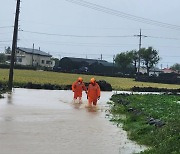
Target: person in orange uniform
[[77, 87], [93, 93]]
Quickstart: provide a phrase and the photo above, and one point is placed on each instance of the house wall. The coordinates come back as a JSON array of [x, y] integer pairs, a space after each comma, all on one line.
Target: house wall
[[24, 58], [143, 70], [154, 73], [43, 61]]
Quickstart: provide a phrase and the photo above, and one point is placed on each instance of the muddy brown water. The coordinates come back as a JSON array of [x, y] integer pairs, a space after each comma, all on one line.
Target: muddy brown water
[[48, 122]]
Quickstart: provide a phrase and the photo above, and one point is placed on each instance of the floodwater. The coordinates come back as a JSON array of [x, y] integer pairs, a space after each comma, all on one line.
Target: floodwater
[[48, 122]]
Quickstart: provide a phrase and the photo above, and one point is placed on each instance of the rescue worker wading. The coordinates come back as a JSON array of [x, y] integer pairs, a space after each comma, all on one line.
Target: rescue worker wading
[[77, 87], [93, 93]]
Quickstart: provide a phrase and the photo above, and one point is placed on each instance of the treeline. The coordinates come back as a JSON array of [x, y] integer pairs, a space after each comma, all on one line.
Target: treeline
[[133, 59]]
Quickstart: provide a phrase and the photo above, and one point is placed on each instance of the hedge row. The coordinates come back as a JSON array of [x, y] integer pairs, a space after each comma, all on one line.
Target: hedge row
[[166, 80], [103, 85], [7, 66], [152, 89]]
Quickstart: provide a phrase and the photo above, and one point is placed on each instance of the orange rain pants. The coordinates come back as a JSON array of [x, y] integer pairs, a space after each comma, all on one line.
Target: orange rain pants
[[93, 93], [77, 88]]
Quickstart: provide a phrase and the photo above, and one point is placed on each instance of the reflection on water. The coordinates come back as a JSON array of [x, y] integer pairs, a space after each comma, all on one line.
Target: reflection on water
[[76, 105], [9, 98], [92, 109], [44, 121]]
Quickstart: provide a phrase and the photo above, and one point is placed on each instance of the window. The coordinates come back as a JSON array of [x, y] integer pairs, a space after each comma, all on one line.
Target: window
[[48, 62], [19, 59], [42, 61]]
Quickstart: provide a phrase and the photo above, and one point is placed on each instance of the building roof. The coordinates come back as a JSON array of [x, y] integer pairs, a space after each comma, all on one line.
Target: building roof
[[169, 70], [155, 69], [35, 51], [106, 63], [90, 61]]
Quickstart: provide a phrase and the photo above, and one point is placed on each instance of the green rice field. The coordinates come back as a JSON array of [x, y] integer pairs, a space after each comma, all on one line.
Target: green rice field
[[44, 77]]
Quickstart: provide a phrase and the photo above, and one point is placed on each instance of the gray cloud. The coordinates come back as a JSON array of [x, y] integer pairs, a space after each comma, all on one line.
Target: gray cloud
[[65, 18]]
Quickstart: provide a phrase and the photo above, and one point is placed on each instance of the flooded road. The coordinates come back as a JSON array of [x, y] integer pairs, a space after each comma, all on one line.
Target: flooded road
[[48, 122]]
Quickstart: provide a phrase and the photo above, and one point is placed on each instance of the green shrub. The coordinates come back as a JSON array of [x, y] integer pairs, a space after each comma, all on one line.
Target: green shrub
[[163, 139]]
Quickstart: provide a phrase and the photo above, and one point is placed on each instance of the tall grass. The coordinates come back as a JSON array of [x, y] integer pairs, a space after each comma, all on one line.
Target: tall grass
[[161, 140]]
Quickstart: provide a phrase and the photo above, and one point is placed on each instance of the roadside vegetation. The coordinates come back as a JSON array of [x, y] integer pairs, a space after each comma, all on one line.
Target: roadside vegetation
[[151, 120], [42, 77], [1, 95]]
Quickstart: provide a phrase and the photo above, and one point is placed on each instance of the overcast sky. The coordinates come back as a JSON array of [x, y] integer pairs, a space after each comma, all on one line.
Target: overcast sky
[[70, 18]]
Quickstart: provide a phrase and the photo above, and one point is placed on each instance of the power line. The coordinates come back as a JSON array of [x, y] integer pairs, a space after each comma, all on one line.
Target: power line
[[171, 56], [162, 46], [81, 44], [70, 53], [95, 36], [164, 38], [123, 15], [85, 27], [5, 45], [65, 35], [6, 33], [27, 42], [6, 27], [168, 62], [6, 41]]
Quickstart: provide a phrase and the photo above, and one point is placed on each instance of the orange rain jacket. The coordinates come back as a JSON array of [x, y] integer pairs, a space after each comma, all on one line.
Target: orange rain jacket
[[78, 88], [93, 92]]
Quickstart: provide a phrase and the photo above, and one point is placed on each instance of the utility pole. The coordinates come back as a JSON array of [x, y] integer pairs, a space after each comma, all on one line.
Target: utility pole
[[101, 56], [59, 57], [14, 46], [32, 54], [113, 63], [140, 43]]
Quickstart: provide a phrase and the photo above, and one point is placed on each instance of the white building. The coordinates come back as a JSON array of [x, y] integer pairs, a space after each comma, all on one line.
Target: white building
[[143, 70], [33, 57], [152, 72], [155, 71]]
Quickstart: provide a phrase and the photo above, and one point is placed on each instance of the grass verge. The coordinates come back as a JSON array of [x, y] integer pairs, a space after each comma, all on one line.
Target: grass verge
[[151, 120], [1, 95], [42, 77]]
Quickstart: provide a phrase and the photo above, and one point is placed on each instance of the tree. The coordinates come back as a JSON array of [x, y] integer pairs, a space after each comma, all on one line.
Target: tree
[[134, 59], [56, 62], [176, 67], [2, 58], [150, 57], [123, 60], [8, 50]]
